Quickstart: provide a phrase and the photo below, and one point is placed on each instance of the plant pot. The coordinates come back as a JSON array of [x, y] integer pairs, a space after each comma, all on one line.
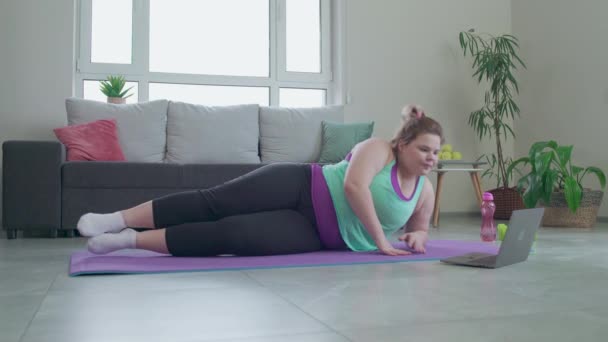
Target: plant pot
[[117, 100], [506, 200], [557, 213]]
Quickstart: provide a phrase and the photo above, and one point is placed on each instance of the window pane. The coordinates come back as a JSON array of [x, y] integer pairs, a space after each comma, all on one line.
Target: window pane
[[292, 97], [303, 32], [209, 95], [213, 37], [111, 31], [92, 92]]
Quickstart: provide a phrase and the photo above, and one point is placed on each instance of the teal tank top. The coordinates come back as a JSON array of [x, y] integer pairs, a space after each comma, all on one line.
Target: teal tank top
[[392, 207]]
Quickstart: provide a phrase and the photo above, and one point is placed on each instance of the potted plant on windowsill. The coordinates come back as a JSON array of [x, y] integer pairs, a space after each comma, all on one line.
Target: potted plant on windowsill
[[113, 88], [494, 61], [557, 184]]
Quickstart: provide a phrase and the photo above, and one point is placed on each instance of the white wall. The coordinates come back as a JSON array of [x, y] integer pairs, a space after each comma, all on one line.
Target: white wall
[[38, 37], [7, 59], [37, 44], [397, 52], [564, 93], [400, 52]]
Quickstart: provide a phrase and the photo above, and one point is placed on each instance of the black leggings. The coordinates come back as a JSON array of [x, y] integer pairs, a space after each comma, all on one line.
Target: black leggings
[[265, 212]]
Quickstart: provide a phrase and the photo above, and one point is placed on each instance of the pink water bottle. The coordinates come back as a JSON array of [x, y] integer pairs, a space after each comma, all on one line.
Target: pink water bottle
[[488, 229]]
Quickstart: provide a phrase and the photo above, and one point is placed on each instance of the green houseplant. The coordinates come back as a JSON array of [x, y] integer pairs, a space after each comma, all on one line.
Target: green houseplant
[[113, 88], [553, 179], [495, 59]]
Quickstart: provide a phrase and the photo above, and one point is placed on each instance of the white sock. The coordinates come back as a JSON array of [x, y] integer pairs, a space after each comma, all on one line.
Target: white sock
[[94, 224], [109, 242]]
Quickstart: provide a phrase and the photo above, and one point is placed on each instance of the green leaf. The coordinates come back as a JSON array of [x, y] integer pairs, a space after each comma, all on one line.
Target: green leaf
[[113, 86], [563, 155], [462, 43], [539, 146], [531, 194], [513, 165], [599, 173], [542, 162], [493, 62], [549, 180], [522, 183], [510, 131], [573, 193], [520, 61], [575, 170], [122, 94]]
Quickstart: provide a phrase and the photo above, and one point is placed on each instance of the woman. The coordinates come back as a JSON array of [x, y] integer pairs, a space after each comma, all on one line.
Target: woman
[[288, 208]]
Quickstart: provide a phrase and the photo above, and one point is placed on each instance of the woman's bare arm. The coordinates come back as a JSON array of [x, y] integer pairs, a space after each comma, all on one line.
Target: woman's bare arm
[[417, 226], [368, 158]]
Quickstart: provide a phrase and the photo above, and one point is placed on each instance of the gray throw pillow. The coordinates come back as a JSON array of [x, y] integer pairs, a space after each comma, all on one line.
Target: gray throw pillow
[[339, 139], [141, 126], [294, 134], [216, 135]]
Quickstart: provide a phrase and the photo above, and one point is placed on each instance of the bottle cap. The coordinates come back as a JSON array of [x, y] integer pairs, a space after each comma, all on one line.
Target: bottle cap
[[487, 196]]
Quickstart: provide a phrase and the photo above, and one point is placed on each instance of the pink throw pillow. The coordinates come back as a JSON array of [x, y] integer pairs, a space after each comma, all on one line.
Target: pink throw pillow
[[97, 140]]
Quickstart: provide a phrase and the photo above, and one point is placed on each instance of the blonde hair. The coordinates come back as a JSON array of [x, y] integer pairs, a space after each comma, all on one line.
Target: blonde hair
[[414, 123]]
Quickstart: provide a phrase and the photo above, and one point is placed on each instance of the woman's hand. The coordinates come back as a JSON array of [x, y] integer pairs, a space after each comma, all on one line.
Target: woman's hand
[[416, 240], [387, 248]]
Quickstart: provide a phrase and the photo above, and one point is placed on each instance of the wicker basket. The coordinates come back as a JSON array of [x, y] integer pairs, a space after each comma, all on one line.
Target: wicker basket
[[506, 200], [559, 215]]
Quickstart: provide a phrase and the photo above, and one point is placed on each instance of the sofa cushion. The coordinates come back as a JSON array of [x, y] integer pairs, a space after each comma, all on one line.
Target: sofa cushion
[[97, 140], [340, 138], [141, 126], [294, 134], [212, 135]]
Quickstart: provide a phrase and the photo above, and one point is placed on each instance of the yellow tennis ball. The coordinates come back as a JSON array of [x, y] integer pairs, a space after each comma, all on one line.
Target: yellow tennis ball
[[456, 155], [501, 229], [446, 155], [446, 148]]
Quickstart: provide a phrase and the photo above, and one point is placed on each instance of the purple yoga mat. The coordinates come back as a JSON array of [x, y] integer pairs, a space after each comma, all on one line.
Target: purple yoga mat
[[139, 261]]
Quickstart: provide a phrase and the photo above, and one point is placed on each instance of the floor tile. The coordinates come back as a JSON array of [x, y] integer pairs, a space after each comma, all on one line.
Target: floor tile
[[136, 283], [319, 337], [167, 315], [555, 327], [558, 294], [16, 312]]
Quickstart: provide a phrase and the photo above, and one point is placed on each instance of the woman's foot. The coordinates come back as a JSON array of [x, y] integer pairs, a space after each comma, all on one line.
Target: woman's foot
[[95, 224], [109, 242]]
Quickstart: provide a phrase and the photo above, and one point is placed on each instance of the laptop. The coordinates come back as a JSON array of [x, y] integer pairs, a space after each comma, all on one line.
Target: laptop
[[515, 246]]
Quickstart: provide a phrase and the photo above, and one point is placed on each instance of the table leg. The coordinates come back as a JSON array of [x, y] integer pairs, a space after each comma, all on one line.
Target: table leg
[[437, 197], [477, 186]]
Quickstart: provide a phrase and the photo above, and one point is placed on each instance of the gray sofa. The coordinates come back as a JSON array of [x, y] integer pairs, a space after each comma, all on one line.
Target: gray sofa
[[41, 190]]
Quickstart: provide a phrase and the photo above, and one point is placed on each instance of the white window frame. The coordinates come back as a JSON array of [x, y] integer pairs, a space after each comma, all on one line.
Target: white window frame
[[138, 70]]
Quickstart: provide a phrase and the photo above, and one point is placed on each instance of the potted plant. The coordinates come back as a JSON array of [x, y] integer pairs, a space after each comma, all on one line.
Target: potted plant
[[113, 87], [494, 61], [557, 183]]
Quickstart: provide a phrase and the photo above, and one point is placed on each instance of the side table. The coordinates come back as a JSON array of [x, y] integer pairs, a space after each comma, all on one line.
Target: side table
[[445, 166]]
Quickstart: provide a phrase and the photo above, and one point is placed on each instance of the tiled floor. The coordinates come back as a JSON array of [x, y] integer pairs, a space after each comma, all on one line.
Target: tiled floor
[[559, 294]]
